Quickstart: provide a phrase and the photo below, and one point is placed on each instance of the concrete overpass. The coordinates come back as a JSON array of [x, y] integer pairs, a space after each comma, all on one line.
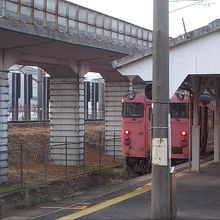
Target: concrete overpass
[[194, 66], [67, 41]]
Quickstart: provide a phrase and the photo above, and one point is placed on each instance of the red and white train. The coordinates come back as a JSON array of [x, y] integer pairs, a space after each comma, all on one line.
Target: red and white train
[[136, 129]]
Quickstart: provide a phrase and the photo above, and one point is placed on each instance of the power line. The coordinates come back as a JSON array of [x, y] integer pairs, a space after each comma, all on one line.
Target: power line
[[198, 2]]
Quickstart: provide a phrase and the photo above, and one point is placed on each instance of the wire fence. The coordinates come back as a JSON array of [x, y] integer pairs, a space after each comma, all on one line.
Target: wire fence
[[37, 113], [29, 166]]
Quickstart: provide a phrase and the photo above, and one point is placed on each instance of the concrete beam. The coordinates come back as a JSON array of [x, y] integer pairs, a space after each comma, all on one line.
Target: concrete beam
[[217, 130], [195, 148], [195, 136]]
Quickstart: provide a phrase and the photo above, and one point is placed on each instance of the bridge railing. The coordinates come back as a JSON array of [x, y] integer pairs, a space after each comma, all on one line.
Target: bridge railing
[[64, 16]]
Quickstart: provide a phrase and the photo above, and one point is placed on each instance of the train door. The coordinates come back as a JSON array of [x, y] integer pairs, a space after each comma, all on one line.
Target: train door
[[179, 130], [133, 136], [148, 122]]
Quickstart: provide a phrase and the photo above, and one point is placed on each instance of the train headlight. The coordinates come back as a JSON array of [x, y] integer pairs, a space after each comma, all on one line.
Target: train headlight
[[183, 133], [127, 132], [131, 95]]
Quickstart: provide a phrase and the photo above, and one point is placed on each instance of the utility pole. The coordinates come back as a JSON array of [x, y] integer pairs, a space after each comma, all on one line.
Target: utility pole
[[160, 195]]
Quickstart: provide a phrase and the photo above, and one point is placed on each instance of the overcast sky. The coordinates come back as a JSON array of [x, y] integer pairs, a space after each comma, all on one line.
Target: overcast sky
[[140, 12]]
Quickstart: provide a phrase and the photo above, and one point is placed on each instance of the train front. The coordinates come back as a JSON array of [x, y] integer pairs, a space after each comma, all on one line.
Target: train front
[[136, 130]]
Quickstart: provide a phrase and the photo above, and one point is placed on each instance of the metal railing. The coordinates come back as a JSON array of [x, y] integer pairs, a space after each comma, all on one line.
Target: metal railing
[[32, 165]]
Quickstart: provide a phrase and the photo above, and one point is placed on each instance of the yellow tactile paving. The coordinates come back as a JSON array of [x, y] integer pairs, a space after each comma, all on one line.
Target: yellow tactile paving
[[65, 208], [108, 203]]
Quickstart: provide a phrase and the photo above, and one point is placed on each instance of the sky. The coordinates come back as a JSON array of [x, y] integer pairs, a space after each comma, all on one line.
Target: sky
[[140, 12]]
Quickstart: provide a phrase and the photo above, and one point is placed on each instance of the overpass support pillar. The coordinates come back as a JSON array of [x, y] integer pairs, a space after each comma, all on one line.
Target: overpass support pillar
[[67, 121], [217, 132], [114, 92], [195, 136], [6, 61]]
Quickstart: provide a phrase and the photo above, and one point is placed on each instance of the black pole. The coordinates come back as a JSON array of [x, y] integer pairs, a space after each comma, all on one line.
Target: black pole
[[100, 151], [114, 147], [21, 166]]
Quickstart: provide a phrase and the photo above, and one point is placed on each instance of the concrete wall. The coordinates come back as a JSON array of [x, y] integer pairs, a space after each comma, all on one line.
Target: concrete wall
[[67, 120]]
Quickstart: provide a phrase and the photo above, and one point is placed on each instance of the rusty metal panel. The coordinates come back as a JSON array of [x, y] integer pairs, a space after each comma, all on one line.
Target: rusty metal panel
[[127, 41], [26, 14], [99, 20], [91, 31], [134, 31], [107, 23], [40, 4], [2, 8], [128, 29], [121, 39], [73, 27], [91, 17], [26, 2], [63, 8], [51, 21], [82, 29], [114, 25], [73, 11], [51, 6], [82, 15], [107, 35], [62, 24], [139, 33], [38, 17], [121, 27], [140, 44], [99, 33], [145, 35], [114, 37], [11, 10], [150, 36]]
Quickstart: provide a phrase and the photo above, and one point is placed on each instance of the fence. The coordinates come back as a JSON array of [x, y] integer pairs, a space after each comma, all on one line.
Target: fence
[[30, 166], [34, 113], [37, 113]]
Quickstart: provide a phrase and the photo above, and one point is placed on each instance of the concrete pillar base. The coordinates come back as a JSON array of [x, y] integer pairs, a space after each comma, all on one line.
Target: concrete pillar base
[[195, 148], [217, 143]]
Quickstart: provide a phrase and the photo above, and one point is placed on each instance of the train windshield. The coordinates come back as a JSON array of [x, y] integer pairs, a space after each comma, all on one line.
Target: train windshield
[[179, 110], [132, 110]]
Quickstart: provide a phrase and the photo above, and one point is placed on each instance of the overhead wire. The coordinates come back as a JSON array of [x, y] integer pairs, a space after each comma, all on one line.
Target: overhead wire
[[186, 6]]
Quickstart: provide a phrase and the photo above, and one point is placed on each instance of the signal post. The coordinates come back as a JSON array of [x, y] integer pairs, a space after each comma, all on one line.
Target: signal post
[[160, 196]]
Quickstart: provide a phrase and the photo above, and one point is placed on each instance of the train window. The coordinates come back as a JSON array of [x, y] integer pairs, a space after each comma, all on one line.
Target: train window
[[179, 110], [132, 110]]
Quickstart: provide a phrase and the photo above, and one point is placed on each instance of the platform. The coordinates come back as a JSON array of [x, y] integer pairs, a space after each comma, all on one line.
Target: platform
[[198, 198], [198, 194]]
